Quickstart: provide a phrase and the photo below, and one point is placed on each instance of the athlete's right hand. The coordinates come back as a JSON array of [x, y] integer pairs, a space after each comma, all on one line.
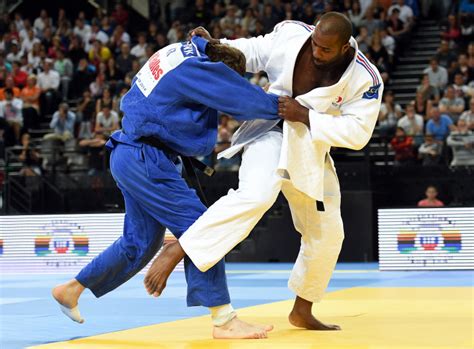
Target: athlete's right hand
[[202, 32]]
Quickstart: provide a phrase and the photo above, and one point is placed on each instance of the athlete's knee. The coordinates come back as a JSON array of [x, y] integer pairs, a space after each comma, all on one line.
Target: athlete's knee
[[137, 251], [259, 198]]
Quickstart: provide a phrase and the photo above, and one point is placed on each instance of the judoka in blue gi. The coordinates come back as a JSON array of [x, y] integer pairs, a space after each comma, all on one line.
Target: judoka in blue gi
[[174, 99]]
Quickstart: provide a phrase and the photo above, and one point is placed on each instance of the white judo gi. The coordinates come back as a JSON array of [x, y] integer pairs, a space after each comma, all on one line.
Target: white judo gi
[[296, 161]]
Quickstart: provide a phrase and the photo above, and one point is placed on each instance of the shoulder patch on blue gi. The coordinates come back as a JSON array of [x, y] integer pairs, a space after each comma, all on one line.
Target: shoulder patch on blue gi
[[188, 49], [372, 92]]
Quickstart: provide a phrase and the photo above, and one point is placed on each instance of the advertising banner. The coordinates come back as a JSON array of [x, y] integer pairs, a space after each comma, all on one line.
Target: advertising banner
[[57, 243], [426, 238]]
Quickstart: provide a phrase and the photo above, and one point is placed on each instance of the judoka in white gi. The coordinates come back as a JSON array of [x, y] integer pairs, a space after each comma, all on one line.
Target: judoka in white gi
[[171, 109], [337, 99]]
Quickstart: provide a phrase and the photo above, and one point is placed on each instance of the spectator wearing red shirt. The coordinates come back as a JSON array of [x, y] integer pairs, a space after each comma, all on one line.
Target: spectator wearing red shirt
[[120, 15], [452, 32], [403, 147], [19, 76], [431, 200]]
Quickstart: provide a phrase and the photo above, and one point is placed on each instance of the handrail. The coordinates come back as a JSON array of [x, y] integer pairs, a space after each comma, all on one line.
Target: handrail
[[20, 193]]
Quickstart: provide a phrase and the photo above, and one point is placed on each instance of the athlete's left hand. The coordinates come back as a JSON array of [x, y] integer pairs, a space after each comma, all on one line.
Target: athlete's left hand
[[290, 110]]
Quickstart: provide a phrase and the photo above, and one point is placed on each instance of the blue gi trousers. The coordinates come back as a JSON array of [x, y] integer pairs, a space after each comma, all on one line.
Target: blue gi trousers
[[156, 196]]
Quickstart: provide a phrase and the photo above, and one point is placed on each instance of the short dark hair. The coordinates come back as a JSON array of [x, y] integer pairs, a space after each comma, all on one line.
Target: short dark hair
[[228, 55], [336, 23]]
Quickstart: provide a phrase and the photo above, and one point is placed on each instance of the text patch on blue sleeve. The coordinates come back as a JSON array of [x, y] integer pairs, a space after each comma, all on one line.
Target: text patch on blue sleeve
[[372, 92]]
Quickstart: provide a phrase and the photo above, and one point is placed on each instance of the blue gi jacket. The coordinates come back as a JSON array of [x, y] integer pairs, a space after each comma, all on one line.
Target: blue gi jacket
[[176, 95]]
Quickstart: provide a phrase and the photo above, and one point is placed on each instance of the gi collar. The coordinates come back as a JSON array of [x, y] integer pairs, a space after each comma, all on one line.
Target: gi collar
[[200, 43]]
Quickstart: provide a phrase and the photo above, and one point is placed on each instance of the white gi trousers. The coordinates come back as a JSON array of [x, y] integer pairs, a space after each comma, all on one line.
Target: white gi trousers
[[231, 219]]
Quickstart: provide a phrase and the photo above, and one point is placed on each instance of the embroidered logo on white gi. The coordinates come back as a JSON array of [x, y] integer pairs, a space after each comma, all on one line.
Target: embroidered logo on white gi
[[337, 102], [372, 93], [170, 51]]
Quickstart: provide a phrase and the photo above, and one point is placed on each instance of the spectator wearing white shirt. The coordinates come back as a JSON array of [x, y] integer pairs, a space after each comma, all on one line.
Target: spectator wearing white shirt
[[461, 142], [11, 111], [107, 121], [450, 104], [34, 56], [462, 90], [48, 82], [139, 50], [15, 52], [65, 68], [149, 51], [412, 123], [388, 42], [406, 13], [119, 37], [468, 115], [19, 21], [23, 33], [42, 21], [82, 29], [95, 34], [171, 35], [355, 14], [438, 75], [29, 41]]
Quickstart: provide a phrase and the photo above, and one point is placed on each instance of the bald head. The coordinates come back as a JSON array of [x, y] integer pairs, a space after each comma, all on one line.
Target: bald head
[[335, 23]]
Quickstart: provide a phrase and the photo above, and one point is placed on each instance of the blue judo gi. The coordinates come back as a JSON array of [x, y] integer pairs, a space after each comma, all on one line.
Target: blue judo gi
[[174, 98]]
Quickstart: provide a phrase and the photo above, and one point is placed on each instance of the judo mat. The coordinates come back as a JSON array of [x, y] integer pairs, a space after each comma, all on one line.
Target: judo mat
[[417, 309]]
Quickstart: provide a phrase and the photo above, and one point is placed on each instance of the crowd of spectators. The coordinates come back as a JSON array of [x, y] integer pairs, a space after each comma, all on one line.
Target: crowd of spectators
[[437, 127], [67, 73]]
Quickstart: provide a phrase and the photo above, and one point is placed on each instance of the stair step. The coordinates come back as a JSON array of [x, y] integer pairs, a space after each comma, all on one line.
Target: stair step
[[426, 33], [423, 52], [428, 28], [425, 40], [405, 88], [425, 46], [404, 95], [426, 22], [404, 101], [408, 74], [410, 67], [414, 60], [404, 81], [397, 90], [434, 26]]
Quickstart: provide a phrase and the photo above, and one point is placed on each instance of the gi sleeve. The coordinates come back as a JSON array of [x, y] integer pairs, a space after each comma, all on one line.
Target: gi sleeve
[[219, 87], [354, 127], [257, 50]]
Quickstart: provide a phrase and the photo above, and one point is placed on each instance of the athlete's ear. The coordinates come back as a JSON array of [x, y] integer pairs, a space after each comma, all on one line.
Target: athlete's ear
[[345, 47]]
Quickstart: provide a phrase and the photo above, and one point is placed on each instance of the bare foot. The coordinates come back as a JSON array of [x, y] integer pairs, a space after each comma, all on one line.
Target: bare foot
[[302, 317], [161, 268], [67, 295], [238, 329]]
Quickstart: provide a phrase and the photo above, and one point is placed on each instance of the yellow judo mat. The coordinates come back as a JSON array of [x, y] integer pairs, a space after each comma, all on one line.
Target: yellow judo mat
[[405, 317]]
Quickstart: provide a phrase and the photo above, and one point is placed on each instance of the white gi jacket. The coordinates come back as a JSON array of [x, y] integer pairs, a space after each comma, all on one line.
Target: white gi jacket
[[341, 115]]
